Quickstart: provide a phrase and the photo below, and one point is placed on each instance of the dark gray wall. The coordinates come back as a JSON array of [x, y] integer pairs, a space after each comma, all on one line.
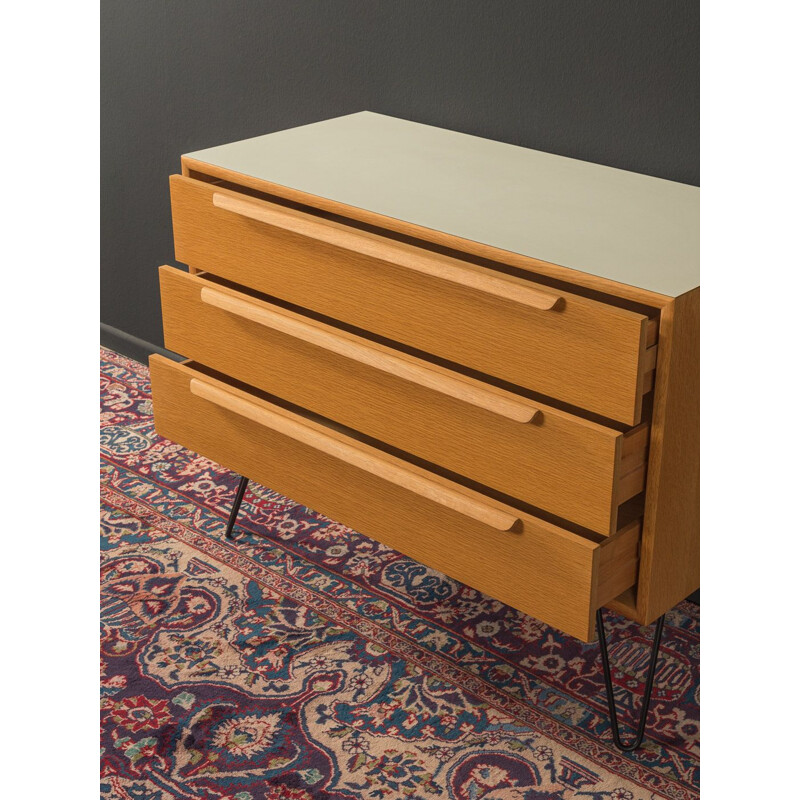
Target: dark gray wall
[[610, 81]]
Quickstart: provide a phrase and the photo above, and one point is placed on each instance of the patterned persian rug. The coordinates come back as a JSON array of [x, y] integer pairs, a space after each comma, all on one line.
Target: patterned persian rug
[[307, 661]]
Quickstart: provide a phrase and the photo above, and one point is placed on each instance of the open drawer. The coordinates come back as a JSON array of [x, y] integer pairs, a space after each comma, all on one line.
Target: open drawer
[[539, 568]]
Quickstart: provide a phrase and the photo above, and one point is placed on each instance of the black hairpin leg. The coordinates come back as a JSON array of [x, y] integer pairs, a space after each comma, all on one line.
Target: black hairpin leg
[[648, 689], [237, 501]]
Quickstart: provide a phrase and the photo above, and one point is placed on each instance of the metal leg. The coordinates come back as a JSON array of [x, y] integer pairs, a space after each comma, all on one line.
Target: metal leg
[[648, 689], [237, 501]]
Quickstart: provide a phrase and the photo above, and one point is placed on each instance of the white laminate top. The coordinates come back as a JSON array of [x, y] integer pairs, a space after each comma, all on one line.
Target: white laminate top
[[626, 227]]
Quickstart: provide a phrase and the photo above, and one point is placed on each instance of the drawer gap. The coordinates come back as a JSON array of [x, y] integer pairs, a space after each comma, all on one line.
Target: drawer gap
[[625, 603], [630, 511]]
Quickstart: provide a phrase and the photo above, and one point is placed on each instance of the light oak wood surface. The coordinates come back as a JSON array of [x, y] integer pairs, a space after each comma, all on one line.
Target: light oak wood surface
[[566, 465], [586, 353], [537, 567], [670, 556], [396, 253], [277, 420], [414, 371]]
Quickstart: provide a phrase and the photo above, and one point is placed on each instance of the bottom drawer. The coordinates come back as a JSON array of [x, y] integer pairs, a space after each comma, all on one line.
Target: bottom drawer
[[539, 568]]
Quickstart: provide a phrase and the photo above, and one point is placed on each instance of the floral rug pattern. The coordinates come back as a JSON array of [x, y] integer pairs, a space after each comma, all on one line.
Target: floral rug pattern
[[304, 660]]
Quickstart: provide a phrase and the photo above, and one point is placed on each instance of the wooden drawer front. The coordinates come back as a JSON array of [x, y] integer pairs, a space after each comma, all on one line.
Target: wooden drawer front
[[558, 462], [539, 568], [580, 351]]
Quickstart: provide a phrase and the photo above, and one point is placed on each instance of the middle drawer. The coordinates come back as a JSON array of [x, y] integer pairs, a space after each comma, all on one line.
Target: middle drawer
[[561, 463]]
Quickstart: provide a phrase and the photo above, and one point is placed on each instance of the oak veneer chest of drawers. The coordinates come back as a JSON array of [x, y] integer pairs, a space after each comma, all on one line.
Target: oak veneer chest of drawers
[[483, 356]]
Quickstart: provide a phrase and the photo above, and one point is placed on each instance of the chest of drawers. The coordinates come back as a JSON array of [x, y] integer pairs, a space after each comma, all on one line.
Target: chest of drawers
[[480, 355]]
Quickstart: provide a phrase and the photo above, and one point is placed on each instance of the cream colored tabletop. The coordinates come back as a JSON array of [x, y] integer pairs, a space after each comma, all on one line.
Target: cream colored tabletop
[[620, 225]]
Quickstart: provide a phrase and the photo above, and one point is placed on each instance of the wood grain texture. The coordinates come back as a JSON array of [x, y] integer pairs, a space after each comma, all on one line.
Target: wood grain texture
[[399, 254], [561, 463], [586, 353], [670, 552], [193, 167], [539, 568], [415, 371], [276, 419], [625, 603], [616, 558]]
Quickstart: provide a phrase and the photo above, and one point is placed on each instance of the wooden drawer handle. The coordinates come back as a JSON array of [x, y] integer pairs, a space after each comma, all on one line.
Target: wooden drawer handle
[[399, 254], [355, 456], [453, 387]]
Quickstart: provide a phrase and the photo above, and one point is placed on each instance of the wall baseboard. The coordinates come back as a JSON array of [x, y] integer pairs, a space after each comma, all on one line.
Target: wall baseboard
[[131, 346]]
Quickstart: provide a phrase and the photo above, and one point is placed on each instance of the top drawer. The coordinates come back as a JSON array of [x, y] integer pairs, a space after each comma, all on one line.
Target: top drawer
[[580, 351]]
